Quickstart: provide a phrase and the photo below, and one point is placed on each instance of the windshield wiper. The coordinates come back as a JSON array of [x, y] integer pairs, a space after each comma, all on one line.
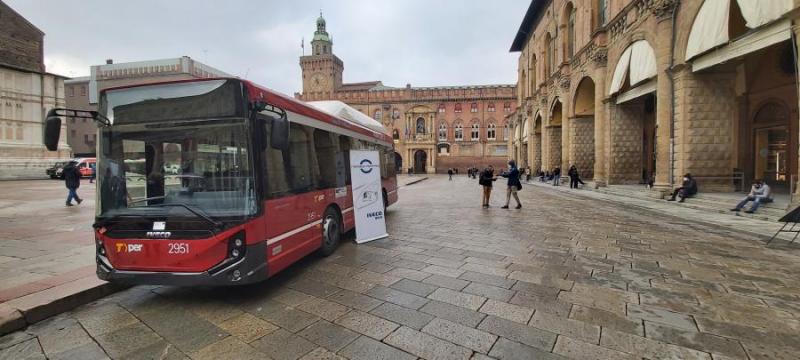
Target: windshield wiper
[[194, 210]]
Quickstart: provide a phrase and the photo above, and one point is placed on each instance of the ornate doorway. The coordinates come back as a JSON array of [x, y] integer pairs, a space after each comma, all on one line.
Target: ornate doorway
[[420, 161]]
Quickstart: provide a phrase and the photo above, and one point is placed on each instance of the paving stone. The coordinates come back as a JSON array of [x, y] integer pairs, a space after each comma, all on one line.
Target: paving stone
[[330, 336], [468, 301], [607, 320], [542, 291], [410, 274], [325, 309], [321, 353], [507, 311], [247, 327], [521, 333], [633, 344], [425, 346], [474, 339], [576, 349], [564, 326], [662, 316], [27, 350], [492, 280], [283, 345], [311, 287], [446, 282], [60, 334], [365, 348], [228, 348], [489, 291], [14, 338], [453, 313], [288, 318], [479, 356], [541, 279], [412, 264], [414, 287], [161, 350], [377, 267], [485, 269], [376, 278], [541, 304], [441, 270], [402, 315], [714, 344], [410, 301], [355, 300], [505, 349], [290, 297], [367, 324], [127, 340], [171, 324]]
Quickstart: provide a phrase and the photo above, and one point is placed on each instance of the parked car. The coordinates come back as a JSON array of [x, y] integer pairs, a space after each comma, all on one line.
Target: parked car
[[54, 172], [85, 166]]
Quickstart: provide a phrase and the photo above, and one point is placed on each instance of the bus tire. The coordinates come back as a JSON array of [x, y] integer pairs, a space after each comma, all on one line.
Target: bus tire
[[331, 231]]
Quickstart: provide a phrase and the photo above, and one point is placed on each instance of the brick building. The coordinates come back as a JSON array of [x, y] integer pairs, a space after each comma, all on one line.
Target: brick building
[[632, 90], [434, 128], [27, 92], [83, 92]]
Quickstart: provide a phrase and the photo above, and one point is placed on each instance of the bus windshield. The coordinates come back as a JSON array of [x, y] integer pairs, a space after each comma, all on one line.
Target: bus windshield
[[155, 158]]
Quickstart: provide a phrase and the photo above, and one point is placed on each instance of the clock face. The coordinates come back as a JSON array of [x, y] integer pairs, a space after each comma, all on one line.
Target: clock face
[[318, 81]]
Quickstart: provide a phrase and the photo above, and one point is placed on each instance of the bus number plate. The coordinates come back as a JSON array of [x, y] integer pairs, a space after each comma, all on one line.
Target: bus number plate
[[178, 248]]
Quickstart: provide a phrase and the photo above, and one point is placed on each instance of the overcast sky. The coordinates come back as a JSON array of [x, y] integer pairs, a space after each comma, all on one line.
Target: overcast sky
[[422, 42]]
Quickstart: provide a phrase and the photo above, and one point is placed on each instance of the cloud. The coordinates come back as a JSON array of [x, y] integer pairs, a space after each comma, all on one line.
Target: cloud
[[425, 43]]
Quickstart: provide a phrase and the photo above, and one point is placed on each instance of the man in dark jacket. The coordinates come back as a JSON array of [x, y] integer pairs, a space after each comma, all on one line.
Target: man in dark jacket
[[687, 189], [486, 179], [513, 184], [72, 179]]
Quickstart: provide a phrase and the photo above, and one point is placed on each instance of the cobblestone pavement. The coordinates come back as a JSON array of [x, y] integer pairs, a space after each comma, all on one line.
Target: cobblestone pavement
[[561, 278]]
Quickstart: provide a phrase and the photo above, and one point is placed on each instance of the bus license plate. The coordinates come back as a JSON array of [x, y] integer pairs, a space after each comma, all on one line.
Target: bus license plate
[[178, 248]]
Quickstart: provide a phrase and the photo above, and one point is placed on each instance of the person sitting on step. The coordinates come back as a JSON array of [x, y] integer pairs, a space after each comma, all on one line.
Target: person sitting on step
[[687, 189], [759, 194]]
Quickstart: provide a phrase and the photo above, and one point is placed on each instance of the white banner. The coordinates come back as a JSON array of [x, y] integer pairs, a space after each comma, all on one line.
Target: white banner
[[365, 171]]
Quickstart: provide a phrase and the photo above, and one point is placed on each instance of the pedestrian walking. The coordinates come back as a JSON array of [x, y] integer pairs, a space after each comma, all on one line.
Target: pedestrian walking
[[528, 174], [574, 177], [486, 180], [557, 176], [450, 174], [514, 184], [72, 179]]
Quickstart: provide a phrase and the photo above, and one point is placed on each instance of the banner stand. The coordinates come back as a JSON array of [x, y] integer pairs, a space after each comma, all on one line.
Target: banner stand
[[365, 173]]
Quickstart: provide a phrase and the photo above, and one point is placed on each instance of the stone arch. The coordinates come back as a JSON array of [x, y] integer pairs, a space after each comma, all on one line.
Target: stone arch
[[583, 97], [567, 30], [581, 128], [556, 102], [536, 142], [552, 135]]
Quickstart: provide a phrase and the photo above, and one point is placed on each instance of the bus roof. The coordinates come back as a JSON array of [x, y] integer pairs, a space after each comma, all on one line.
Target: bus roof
[[257, 92]]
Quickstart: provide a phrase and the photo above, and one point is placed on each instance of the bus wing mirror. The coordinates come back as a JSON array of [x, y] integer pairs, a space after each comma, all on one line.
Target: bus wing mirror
[[52, 130], [279, 134]]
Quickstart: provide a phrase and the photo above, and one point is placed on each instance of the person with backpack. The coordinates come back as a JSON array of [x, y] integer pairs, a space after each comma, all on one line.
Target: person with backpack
[[72, 179], [514, 184], [486, 179]]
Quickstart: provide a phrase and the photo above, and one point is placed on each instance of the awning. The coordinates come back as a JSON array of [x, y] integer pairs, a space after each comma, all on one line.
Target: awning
[[641, 90], [637, 63], [710, 27], [757, 40]]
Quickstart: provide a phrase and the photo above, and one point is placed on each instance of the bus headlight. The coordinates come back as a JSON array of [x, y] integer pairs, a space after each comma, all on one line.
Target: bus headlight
[[235, 253], [99, 246], [236, 246]]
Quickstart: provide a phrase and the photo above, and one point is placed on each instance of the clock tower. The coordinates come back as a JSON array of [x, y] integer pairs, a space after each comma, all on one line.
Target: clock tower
[[322, 70]]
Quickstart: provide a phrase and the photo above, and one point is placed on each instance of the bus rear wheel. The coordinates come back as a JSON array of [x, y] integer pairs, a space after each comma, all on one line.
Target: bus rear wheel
[[331, 231]]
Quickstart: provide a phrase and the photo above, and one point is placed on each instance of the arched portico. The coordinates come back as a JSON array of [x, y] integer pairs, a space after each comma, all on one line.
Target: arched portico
[[581, 129]]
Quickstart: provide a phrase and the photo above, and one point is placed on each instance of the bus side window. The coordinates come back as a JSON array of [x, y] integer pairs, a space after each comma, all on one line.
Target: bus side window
[[326, 151], [343, 162], [275, 176], [300, 161]]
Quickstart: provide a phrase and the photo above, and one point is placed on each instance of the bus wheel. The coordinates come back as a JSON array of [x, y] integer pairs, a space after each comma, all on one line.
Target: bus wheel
[[331, 231]]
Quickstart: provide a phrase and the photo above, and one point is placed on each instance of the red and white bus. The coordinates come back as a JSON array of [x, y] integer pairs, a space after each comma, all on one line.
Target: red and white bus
[[219, 181]]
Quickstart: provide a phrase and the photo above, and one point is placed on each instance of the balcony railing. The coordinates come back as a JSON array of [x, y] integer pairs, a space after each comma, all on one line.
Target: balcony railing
[[420, 138]]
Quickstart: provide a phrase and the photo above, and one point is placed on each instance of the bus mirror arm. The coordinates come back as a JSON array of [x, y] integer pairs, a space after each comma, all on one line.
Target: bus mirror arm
[[279, 131], [52, 123]]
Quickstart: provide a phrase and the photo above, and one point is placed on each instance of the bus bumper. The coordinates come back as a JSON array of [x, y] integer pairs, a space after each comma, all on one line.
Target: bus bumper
[[250, 269]]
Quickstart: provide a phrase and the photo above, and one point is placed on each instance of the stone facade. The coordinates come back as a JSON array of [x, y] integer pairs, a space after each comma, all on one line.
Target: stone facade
[[432, 127], [727, 115], [83, 93], [27, 92]]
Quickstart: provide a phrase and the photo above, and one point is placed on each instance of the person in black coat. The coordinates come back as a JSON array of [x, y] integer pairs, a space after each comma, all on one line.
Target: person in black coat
[[486, 180], [687, 189], [514, 184], [557, 176], [72, 179], [574, 177]]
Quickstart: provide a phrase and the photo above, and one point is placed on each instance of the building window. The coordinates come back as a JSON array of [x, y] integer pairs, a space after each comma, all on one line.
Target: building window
[[396, 135], [395, 114], [73, 133], [490, 107], [476, 132], [83, 90], [571, 33], [473, 107], [602, 9], [377, 115], [71, 91], [420, 125], [441, 108], [490, 132], [507, 107], [505, 131], [551, 50], [458, 108], [459, 133], [442, 132]]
